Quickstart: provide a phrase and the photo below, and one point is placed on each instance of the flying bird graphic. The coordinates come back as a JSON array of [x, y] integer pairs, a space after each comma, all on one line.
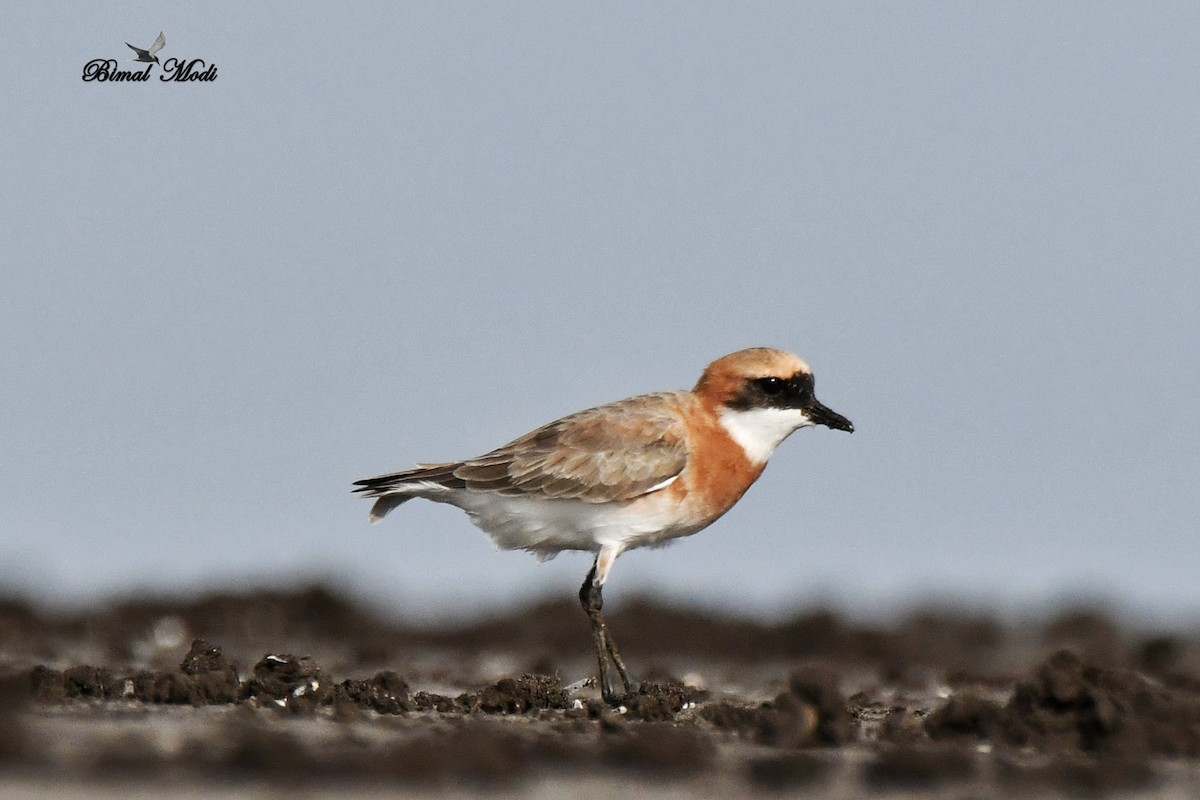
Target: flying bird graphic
[[149, 55]]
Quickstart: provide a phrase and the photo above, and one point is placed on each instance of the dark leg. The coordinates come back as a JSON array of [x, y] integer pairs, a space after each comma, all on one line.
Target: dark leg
[[592, 600]]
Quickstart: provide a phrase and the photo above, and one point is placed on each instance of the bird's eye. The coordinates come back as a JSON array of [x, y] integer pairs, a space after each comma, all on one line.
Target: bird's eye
[[771, 385]]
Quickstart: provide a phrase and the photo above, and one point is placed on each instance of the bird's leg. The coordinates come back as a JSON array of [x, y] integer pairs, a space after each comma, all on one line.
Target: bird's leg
[[592, 599], [629, 685]]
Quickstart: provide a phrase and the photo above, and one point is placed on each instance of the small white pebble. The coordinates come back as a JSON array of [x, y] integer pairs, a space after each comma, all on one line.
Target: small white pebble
[[577, 705], [689, 704], [622, 709]]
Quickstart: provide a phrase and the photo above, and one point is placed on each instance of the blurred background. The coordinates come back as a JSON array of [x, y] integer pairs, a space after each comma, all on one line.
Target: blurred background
[[398, 233]]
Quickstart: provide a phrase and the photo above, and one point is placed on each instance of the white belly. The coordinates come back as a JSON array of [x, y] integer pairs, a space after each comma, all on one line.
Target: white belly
[[546, 527]]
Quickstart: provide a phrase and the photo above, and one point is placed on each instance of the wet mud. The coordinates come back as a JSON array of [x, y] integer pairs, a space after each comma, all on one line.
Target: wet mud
[[310, 688]]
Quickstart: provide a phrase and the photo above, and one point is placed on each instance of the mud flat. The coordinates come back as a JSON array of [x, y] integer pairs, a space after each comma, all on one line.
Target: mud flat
[[263, 694]]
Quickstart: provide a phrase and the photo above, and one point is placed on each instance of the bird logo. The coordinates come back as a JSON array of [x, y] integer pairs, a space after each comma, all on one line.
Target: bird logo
[[149, 56]]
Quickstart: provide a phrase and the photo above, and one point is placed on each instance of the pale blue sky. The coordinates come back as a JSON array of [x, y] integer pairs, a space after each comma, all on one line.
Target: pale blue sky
[[397, 233]]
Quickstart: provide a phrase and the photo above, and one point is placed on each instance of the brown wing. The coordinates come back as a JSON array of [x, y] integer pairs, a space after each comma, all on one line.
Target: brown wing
[[614, 452], [617, 451]]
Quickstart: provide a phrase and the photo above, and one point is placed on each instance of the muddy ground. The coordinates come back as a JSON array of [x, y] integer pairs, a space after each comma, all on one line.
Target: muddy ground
[[308, 693]]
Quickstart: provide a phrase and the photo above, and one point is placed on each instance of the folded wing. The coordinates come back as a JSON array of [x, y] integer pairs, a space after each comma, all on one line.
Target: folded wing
[[611, 453]]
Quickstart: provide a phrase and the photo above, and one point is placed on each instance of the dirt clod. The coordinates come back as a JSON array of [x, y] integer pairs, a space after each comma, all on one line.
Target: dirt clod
[[519, 696], [656, 701], [386, 693], [1117, 712], [287, 681], [426, 701], [812, 712], [965, 716], [1069, 705], [214, 676]]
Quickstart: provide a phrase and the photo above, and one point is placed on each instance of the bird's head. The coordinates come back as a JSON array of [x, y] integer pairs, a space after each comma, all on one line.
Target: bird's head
[[761, 396]]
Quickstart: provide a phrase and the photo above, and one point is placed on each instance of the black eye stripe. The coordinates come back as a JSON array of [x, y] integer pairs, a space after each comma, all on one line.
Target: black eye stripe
[[802, 383], [773, 391], [771, 385], [796, 385]]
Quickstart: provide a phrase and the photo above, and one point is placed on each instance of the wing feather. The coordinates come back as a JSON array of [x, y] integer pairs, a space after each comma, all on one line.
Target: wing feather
[[614, 452], [609, 453]]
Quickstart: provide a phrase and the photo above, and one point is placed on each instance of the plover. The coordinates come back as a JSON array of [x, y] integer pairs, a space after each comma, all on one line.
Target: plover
[[634, 473]]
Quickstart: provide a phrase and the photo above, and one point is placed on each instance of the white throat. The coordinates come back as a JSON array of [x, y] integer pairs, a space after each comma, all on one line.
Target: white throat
[[760, 430]]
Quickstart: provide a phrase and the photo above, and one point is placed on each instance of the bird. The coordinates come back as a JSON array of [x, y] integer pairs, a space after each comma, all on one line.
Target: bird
[[149, 55], [633, 473]]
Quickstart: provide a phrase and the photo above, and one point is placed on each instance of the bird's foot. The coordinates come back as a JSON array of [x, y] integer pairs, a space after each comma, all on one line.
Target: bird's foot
[[617, 693]]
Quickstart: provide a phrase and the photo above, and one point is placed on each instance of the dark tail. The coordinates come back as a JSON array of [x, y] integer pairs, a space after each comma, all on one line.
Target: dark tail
[[396, 487]]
